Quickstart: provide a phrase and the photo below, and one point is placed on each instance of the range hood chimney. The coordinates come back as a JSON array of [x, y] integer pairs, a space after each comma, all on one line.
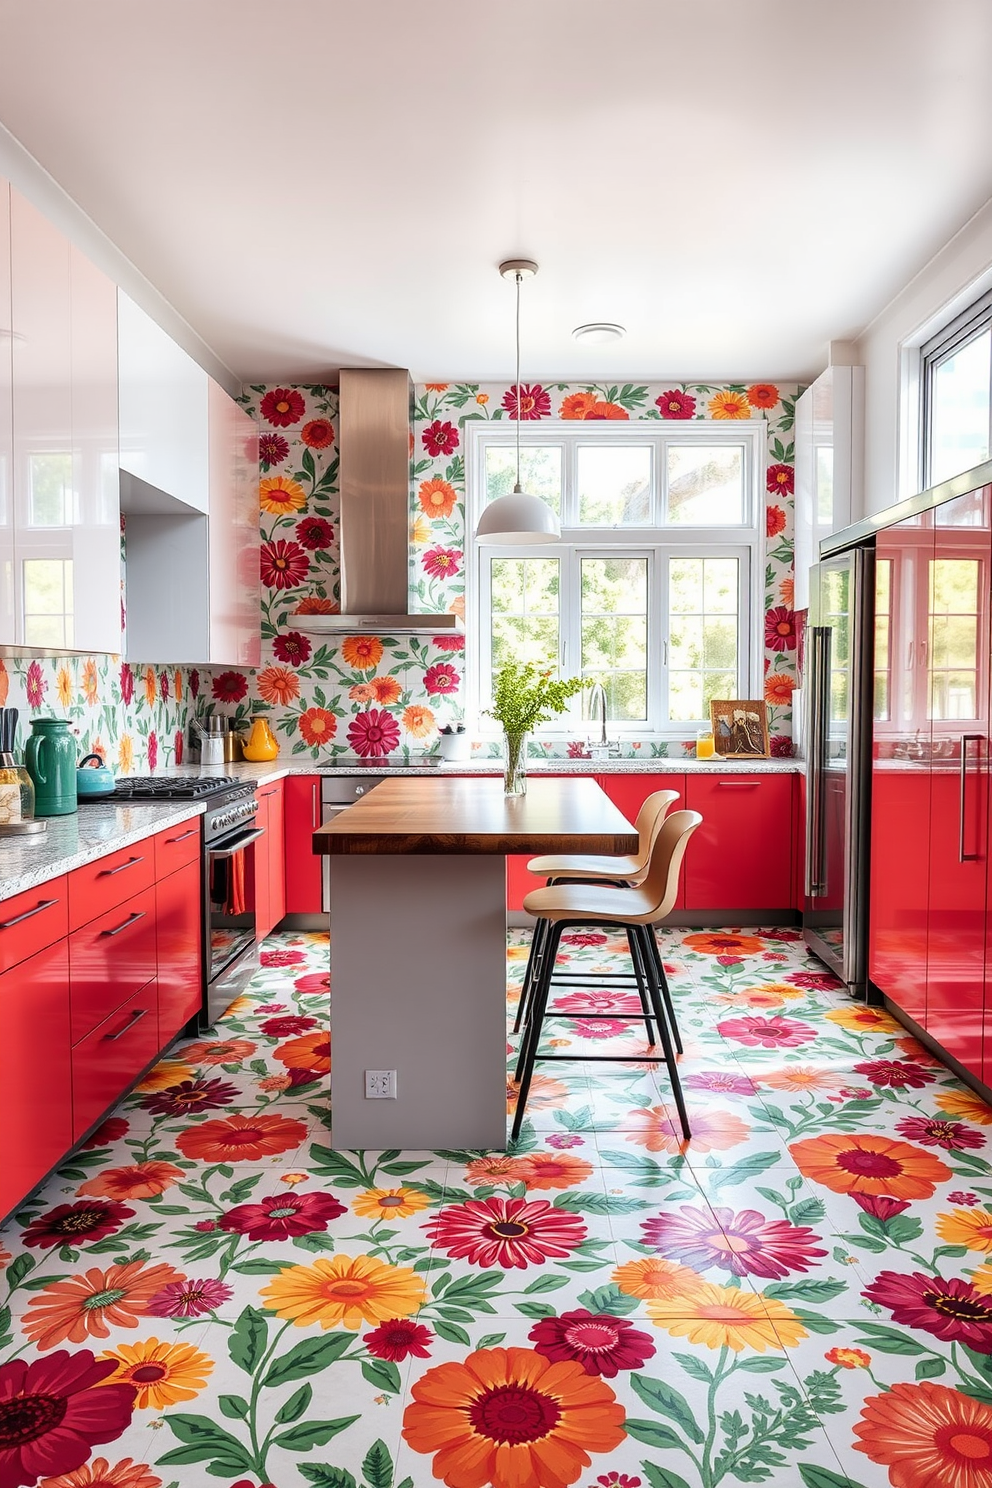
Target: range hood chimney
[[375, 417]]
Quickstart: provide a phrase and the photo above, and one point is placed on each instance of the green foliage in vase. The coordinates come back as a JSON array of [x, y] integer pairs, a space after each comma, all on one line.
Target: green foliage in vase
[[524, 696]]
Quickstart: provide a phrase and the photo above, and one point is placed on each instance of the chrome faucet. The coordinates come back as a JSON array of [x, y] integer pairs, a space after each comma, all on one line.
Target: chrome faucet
[[597, 695]]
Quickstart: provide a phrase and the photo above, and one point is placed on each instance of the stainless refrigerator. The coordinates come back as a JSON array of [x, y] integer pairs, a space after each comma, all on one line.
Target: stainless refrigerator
[[837, 682]]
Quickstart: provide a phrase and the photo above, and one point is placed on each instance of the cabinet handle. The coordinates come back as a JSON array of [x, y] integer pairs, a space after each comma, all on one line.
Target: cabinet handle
[[140, 915], [966, 739], [183, 835], [45, 904], [109, 872], [135, 1017], [315, 810], [268, 792], [741, 784]]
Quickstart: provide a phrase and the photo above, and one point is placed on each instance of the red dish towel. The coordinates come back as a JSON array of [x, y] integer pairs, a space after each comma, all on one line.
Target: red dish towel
[[236, 888]]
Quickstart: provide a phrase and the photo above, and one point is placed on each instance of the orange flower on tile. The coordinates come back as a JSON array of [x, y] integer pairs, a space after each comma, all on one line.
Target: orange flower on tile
[[361, 692], [317, 726], [151, 686], [545, 1094], [125, 753], [437, 497], [385, 689], [712, 1131], [969, 1227], [869, 1164], [909, 1048], [577, 405], [800, 1077], [848, 1358], [169, 1072], [657, 1279], [344, 1291], [553, 1170], [279, 495], [177, 684], [966, 1104], [98, 1473], [241, 1138], [727, 405], [511, 1418], [787, 592], [162, 1373], [312, 1051], [364, 653], [603, 410], [418, 721], [928, 1436], [495, 1169], [457, 606], [90, 682], [762, 395], [860, 1019], [316, 604], [277, 684], [390, 1203], [717, 943], [139, 1181], [82, 1306], [779, 689], [4, 683], [219, 1051]]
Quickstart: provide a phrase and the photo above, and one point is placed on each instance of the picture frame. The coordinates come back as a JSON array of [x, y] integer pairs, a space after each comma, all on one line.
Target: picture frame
[[740, 728]]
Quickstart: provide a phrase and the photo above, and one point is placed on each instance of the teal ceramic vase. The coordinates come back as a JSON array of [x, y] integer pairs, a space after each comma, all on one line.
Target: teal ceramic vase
[[50, 760]]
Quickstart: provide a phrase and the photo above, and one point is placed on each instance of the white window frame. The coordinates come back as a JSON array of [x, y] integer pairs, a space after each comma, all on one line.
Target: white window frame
[[949, 340], [745, 542]]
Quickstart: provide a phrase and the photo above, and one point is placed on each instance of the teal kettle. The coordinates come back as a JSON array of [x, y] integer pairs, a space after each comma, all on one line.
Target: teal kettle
[[50, 760]]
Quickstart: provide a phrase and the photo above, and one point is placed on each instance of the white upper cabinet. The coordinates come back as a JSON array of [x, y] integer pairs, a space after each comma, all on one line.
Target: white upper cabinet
[[164, 436], [8, 609], [829, 464]]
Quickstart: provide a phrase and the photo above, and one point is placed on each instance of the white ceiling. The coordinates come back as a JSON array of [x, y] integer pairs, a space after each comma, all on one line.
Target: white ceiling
[[317, 183]]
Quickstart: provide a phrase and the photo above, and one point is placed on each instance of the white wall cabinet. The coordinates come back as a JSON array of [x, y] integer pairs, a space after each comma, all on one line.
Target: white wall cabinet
[[7, 607], [829, 464], [164, 435]]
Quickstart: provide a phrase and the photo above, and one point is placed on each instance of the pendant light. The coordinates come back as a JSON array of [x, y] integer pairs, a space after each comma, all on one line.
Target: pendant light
[[519, 517]]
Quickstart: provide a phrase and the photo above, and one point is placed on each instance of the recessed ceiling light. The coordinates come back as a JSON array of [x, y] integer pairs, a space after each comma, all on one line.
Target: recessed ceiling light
[[598, 332]]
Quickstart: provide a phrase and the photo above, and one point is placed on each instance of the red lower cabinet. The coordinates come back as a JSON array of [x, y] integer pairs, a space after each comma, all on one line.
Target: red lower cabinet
[[107, 1060], [267, 886], [35, 1071], [178, 903], [301, 805], [741, 856], [109, 959]]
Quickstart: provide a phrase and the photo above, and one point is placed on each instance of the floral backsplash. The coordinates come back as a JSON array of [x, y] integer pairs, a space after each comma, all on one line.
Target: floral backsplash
[[374, 695]]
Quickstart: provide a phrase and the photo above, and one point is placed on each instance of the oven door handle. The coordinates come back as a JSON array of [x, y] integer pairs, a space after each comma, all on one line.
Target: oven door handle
[[245, 841]]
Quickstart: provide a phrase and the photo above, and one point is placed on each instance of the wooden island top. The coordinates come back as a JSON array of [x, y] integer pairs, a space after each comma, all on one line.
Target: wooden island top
[[459, 815]]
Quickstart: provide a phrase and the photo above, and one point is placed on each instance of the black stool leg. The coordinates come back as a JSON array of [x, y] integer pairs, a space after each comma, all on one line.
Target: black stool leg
[[532, 1033], [643, 933], [642, 985], [666, 994], [533, 964]]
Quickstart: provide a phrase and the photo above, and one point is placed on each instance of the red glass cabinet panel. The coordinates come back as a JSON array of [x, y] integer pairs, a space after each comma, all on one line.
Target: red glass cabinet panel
[[741, 855], [35, 1071], [301, 806], [178, 903]]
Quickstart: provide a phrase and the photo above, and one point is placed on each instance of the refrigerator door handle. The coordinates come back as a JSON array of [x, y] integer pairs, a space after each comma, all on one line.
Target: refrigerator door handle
[[966, 739], [819, 714]]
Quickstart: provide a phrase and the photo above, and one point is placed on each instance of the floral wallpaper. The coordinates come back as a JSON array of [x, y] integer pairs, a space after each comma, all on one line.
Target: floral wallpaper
[[389, 694]]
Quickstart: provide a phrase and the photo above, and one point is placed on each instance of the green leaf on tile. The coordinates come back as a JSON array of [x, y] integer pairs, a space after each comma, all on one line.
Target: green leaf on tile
[[382, 1374], [307, 1357], [761, 1365], [324, 1476], [491, 1340], [655, 1434], [535, 1309], [805, 1291], [887, 1340], [295, 1405], [662, 1477], [378, 1466], [311, 1434], [204, 1441], [248, 1339], [659, 1396], [930, 1368], [453, 1333], [694, 1368], [550, 1282], [235, 1407], [822, 1477], [608, 1299]]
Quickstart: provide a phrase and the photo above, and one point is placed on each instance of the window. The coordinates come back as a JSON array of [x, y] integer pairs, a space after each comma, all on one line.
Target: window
[[655, 588], [957, 395]]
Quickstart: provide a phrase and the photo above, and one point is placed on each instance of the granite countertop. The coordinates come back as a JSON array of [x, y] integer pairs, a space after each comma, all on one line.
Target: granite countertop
[[96, 829], [269, 771]]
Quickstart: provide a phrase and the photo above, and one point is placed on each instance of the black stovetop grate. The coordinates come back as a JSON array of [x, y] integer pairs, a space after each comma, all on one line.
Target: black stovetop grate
[[170, 787]]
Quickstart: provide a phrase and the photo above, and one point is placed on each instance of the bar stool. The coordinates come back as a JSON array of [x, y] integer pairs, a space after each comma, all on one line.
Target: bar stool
[[635, 910], [590, 868]]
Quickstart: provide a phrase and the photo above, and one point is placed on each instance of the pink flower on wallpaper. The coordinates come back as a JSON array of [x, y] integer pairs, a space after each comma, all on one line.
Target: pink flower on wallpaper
[[127, 682], [178, 746], [194, 683], [282, 407], [230, 687], [448, 643], [152, 750], [36, 685], [767, 1033], [577, 749], [531, 403], [440, 439], [780, 629], [780, 479], [292, 647], [314, 533], [676, 405], [441, 678], [272, 450], [373, 733], [442, 563], [284, 564]]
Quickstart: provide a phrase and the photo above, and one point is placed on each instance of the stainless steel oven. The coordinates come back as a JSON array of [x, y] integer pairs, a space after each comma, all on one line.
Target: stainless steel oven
[[231, 955], [337, 793]]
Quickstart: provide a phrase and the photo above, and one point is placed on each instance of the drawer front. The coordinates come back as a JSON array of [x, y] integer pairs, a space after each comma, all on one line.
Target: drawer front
[[180, 955], [109, 959], [178, 846], [112, 1056], [35, 1112], [32, 920], [109, 881]]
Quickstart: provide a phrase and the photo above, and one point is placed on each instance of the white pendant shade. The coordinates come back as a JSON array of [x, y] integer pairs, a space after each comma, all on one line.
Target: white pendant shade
[[518, 518]]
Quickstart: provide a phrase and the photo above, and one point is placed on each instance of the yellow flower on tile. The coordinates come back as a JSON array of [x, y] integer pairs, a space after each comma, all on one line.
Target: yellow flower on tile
[[279, 494], [344, 1291], [162, 1373], [125, 753], [389, 1203], [151, 686], [727, 405], [966, 1104], [728, 1317], [862, 1019], [970, 1227], [420, 532], [169, 1072], [90, 682], [63, 686]]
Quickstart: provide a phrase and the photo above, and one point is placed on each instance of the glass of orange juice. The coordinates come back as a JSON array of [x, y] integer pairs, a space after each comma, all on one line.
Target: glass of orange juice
[[705, 748]]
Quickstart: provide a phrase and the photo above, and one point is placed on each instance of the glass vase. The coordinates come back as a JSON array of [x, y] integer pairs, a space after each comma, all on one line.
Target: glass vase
[[514, 764]]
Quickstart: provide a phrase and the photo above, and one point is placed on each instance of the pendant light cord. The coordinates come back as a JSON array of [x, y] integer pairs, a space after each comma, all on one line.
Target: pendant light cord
[[519, 278]]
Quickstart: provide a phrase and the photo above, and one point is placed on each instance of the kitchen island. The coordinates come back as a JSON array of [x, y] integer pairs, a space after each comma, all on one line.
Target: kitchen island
[[418, 947]]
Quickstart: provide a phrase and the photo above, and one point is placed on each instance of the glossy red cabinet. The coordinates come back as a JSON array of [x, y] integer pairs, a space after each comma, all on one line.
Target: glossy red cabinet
[[177, 846], [113, 1055], [109, 959], [107, 882], [35, 1071], [741, 855], [267, 886], [179, 950], [31, 920], [301, 807], [518, 881]]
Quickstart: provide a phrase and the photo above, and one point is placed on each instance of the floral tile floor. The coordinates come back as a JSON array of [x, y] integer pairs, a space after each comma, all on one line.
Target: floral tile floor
[[801, 1296]]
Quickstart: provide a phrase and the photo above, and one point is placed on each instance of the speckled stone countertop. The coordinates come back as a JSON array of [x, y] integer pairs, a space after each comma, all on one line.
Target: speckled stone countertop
[[277, 769], [96, 829]]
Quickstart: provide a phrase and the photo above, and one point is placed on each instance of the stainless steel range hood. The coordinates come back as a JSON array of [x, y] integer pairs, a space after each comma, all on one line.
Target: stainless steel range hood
[[374, 424]]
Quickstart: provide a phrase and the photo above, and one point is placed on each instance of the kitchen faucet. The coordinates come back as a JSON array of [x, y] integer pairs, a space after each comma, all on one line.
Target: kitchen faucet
[[597, 694]]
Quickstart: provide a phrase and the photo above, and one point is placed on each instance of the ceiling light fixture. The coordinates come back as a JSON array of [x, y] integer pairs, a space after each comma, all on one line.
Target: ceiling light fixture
[[598, 332], [519, 517]]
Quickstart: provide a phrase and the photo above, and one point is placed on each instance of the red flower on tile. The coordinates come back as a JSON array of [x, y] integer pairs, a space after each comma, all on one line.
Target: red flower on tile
[[282, 407], [35, 685], [953, 1136], [762, 395], [894, 1073], [108, 1131], [441, 678], [76, 1224], [398, 1339], [820, 980], [189, 1298], [448, 643], [229, 687], [767, 1033], [178, 744], [283, 564], [54, 1411], [440, 438], [774, 521], [152, 750], [282, 958], [527, 402], [880, 1207], [780, 479], [585, 938], [780, 747], [780, 629], [509, 1233], [720, 1082], [676, 405], [194, 682], [190, 1096], [315, 981], [318, 433], [314, 533], [442, 563], [272, 450], [601, 1343], [373, 733], [127, 682], [293, 648], [744, 1244], [289, 1024], [951, 1309], [281, 1216]]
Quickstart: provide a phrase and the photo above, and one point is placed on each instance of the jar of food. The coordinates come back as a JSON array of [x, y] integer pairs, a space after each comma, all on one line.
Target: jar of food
[[705, 748], [16, 793]]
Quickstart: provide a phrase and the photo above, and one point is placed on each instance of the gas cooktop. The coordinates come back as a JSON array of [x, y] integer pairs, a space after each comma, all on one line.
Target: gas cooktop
[[171, 787]]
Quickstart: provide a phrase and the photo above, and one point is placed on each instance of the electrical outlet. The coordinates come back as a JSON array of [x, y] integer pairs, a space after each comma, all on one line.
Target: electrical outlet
[[380, 1084]]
